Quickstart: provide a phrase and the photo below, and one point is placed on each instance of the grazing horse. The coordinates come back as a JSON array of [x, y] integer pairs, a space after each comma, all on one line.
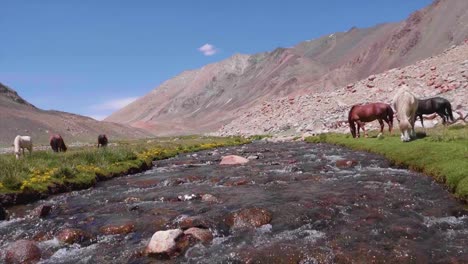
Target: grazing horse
[[102, 140], [367, 113], [57, 143], [20, 143], [438, 105], [406, 104]]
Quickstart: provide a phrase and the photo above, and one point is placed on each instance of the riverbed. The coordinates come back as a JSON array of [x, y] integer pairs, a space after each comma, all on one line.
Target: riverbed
[[328, 204]]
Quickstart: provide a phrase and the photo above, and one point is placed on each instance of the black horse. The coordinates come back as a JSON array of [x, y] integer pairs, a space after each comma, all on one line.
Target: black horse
[[438, 105], [102, 140]]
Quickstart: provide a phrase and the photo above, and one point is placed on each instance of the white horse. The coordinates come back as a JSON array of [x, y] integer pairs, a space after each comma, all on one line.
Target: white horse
[[406, 104], [20, 143]]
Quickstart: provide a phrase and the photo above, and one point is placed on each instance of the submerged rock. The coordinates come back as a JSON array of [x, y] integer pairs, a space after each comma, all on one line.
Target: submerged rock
[[122, 229], [73, 235], [195, 221], [233, 160], [204, 235], [23, 251], [343, 164], [209, 198], [251, 217]]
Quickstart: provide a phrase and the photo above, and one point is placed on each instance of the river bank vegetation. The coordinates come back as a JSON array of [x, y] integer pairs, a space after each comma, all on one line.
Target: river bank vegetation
[[81, 167], [441, 152]]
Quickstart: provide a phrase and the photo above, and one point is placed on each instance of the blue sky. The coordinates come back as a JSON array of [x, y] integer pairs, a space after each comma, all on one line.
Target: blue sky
[[92, 57]]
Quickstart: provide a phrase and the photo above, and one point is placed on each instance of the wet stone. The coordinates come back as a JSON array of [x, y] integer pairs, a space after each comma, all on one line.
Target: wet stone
[[233, 160], [251, 217], [209, 198], [116, 229], [195, 221], [73, 235], [22, 251], [344, 164], [204, 235], [164, 242], [41, 211]]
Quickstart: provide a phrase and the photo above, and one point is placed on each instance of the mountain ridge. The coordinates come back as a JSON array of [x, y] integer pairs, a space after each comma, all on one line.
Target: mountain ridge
[[19, 117], [204, 99]]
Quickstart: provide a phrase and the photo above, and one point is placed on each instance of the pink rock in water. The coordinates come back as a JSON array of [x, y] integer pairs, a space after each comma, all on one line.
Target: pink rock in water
[[233, 160], [164, 242]]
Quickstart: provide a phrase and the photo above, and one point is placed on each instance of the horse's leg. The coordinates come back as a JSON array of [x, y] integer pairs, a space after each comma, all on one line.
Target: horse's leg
[[361, 124], [381, 127], [442, 115], [358, 135], [422, 121], [413, 121]]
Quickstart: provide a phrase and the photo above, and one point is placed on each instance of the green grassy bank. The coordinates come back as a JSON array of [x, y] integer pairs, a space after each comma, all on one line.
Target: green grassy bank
[[442, 153], [83, 167]]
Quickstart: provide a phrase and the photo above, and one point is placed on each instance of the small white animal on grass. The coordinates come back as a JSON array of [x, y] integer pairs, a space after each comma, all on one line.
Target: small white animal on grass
[[20, 143]]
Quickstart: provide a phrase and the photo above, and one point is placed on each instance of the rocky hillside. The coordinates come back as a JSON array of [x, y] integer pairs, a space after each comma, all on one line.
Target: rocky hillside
[[443, 75], [204, 99], [18, 117]]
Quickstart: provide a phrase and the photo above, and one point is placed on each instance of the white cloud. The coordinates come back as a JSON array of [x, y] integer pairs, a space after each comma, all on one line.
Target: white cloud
[[114, 104], [208, 49]]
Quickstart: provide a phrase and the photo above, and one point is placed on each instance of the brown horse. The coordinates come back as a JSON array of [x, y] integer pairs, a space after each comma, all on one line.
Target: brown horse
[[361, 114], [57, 143]]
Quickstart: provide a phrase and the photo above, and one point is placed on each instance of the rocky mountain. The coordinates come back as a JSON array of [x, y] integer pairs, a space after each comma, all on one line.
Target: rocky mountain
[[205, 99], [19, 117], [444, 75]]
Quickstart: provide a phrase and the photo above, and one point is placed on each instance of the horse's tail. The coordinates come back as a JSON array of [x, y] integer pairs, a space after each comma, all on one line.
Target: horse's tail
[[352, 126], [448, 110]]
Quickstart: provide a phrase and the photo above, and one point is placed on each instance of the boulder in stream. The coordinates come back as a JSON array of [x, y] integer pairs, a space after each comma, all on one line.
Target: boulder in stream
[[23, 251], [233, 160], [164, 242], [250, 217], [204, 235], [73, 235]]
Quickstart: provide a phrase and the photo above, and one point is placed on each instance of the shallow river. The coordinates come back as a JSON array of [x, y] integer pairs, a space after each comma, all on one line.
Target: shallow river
[[323, 210]]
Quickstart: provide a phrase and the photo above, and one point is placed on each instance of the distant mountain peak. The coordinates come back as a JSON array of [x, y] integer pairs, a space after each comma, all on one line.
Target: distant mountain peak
[[10, 94]]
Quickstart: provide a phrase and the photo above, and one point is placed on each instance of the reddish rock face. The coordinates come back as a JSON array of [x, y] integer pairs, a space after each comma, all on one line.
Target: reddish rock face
[[346, 163], [72, 235], [233, 160], [122, 229], [251, 217], [23, 251]]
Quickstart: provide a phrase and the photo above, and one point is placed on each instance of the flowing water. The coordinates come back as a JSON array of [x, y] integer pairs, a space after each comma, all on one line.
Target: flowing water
[[366, 212]]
